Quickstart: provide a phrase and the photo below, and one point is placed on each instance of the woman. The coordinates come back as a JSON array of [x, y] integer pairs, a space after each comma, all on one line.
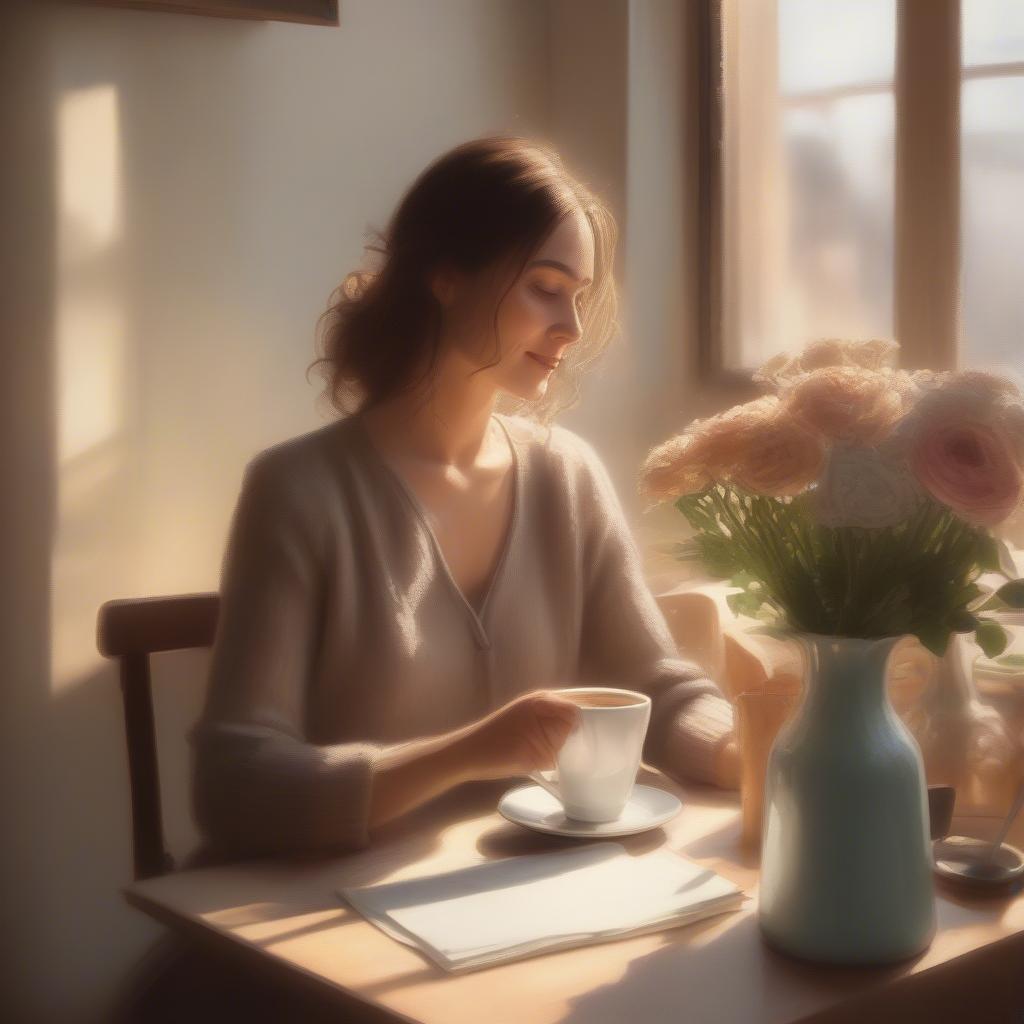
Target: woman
[[404, 587]]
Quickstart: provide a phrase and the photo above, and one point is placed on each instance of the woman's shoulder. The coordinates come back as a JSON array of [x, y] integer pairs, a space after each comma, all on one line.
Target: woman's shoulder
[[568, 452], [300, 465]]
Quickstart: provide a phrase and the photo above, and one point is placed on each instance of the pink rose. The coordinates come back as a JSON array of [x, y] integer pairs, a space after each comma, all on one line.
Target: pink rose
[[964, 395], [970, 466]]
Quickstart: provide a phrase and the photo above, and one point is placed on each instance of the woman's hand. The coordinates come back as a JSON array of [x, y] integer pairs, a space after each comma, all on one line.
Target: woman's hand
[[524, 735]]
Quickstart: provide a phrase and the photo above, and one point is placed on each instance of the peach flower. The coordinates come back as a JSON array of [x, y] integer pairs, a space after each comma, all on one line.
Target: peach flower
[[705, 451], [846, 403], [970, 466], [875, 354], [673, 469], [780, 458], [722, 439], [775, 372]]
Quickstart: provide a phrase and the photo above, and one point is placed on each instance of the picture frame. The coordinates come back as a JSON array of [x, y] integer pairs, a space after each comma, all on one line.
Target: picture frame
[[307, 12]]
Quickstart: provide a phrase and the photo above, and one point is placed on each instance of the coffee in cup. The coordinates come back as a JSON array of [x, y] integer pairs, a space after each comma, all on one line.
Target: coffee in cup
[[598, 763], [599, 699]]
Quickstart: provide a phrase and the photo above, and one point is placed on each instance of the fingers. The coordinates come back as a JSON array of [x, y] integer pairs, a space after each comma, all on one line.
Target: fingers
[[553, 734], [555, 730], [542, 757]]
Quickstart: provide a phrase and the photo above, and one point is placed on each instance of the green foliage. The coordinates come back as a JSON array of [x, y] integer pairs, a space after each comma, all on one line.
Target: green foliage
[[1012, 594], [991, 637], [915, 577]]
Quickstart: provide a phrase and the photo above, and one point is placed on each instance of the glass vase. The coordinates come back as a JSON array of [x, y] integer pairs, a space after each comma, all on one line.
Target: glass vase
[[846, 862]]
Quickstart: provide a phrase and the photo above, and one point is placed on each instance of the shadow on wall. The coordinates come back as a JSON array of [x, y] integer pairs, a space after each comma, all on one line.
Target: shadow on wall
[[76, 444]]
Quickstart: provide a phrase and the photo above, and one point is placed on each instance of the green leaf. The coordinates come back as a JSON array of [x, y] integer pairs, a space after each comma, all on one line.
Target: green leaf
[[1007, 566], [744, 604], [1012, 593], [993, 555], [962, 621], [935, 638], [742, 579], [988, 553], [986, 602], [718, 555], [991, 637]]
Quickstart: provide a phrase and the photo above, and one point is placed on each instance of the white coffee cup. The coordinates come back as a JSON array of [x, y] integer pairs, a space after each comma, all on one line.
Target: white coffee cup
[[598, 763]]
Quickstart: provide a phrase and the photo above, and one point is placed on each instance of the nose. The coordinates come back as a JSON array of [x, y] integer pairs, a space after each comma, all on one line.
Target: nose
[[569, 328]]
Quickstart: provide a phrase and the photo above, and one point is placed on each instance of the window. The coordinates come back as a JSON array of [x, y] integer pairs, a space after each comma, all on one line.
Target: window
[[854, 189], [992, 161]]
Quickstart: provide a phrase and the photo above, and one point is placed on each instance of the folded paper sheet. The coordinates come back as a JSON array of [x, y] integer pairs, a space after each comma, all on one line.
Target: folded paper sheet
[[520, 906]]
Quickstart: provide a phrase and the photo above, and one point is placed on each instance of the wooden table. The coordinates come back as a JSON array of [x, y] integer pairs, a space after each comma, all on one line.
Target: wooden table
[[287, 915]]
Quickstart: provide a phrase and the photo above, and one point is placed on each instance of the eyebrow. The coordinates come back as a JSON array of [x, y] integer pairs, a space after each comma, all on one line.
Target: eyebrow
[[564, 268]]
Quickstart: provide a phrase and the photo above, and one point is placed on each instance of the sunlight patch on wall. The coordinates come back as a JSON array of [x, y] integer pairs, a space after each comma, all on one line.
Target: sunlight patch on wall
[[89, 171], [92, 545], [90, 315], [90, 336]]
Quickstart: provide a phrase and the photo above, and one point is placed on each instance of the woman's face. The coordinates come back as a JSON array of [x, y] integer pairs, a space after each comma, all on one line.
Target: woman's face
[[538, 319]]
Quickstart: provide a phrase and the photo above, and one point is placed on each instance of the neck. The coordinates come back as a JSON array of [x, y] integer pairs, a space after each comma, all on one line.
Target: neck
[[445, 422]]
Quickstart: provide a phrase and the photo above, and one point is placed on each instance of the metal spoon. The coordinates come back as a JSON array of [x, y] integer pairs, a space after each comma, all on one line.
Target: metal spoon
[[986, 862], [973, 861]]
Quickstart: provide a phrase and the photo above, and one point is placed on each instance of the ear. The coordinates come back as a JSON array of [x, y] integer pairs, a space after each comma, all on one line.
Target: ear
[[444, 283]]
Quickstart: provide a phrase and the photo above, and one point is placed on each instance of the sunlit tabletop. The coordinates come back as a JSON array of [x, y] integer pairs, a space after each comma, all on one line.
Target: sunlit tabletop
[[288, 915]]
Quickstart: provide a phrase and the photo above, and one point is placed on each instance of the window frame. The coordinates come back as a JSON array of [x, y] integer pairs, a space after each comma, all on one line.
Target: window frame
[[305, 12], [926, 214]]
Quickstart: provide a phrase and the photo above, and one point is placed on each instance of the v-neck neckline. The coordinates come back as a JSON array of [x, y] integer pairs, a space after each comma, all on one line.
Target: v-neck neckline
[[477, 617]]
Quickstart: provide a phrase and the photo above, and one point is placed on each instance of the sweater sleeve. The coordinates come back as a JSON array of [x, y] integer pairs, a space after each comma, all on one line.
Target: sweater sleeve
[[258, 786], [626, 641]]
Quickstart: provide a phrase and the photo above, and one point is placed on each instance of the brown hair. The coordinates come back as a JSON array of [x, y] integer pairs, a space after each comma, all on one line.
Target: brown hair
[[486, 201]]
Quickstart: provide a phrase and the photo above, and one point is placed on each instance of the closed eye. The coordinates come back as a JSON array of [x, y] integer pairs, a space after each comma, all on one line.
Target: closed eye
[[554, 295]]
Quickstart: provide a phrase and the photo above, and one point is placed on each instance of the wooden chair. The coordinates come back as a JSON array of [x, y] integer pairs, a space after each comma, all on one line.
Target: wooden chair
[[131, 630]]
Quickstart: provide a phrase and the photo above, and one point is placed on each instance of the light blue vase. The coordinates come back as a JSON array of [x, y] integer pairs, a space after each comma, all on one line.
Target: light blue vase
[[846, 864]]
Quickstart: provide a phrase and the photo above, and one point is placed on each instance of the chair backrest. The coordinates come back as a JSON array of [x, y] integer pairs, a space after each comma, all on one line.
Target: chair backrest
[[131, 629]]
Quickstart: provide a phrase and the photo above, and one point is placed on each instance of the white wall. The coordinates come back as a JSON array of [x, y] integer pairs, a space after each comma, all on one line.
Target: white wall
[[623, 109], [213, 181], [189, 192]]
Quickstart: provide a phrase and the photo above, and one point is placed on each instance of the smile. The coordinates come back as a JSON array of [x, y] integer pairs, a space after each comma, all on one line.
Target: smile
[[547, 363]]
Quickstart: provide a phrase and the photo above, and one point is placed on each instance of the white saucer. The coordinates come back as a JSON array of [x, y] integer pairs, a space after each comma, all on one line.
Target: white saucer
[[533, 806]]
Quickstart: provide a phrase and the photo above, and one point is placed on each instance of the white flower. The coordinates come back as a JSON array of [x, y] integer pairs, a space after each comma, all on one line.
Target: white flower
[[865, 486]]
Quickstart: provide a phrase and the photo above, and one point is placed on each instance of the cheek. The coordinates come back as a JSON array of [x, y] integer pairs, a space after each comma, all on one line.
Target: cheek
[[524, 318]]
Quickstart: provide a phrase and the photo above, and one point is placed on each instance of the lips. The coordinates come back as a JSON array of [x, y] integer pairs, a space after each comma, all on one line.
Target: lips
[[546, 361]]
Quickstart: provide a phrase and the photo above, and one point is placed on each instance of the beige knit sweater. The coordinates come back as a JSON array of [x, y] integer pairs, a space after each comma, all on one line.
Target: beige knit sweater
[[342, 631]]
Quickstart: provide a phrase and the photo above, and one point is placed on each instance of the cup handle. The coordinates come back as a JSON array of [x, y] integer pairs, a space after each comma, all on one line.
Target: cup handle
[[549, 781]]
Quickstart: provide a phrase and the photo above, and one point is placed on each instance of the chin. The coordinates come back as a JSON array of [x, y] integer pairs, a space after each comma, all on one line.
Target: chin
[[528, 392]]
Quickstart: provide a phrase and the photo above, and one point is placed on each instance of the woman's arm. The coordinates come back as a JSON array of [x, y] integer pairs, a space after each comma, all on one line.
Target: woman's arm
[[626, 642], [409, 774], [258, 786]]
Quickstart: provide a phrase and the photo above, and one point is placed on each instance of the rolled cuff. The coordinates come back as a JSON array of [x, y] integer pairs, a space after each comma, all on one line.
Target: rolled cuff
[[257, 794], [694, 738]]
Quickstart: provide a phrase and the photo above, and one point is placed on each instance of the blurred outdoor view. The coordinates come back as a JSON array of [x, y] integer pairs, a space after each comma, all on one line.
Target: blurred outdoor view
[[810, 167]]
